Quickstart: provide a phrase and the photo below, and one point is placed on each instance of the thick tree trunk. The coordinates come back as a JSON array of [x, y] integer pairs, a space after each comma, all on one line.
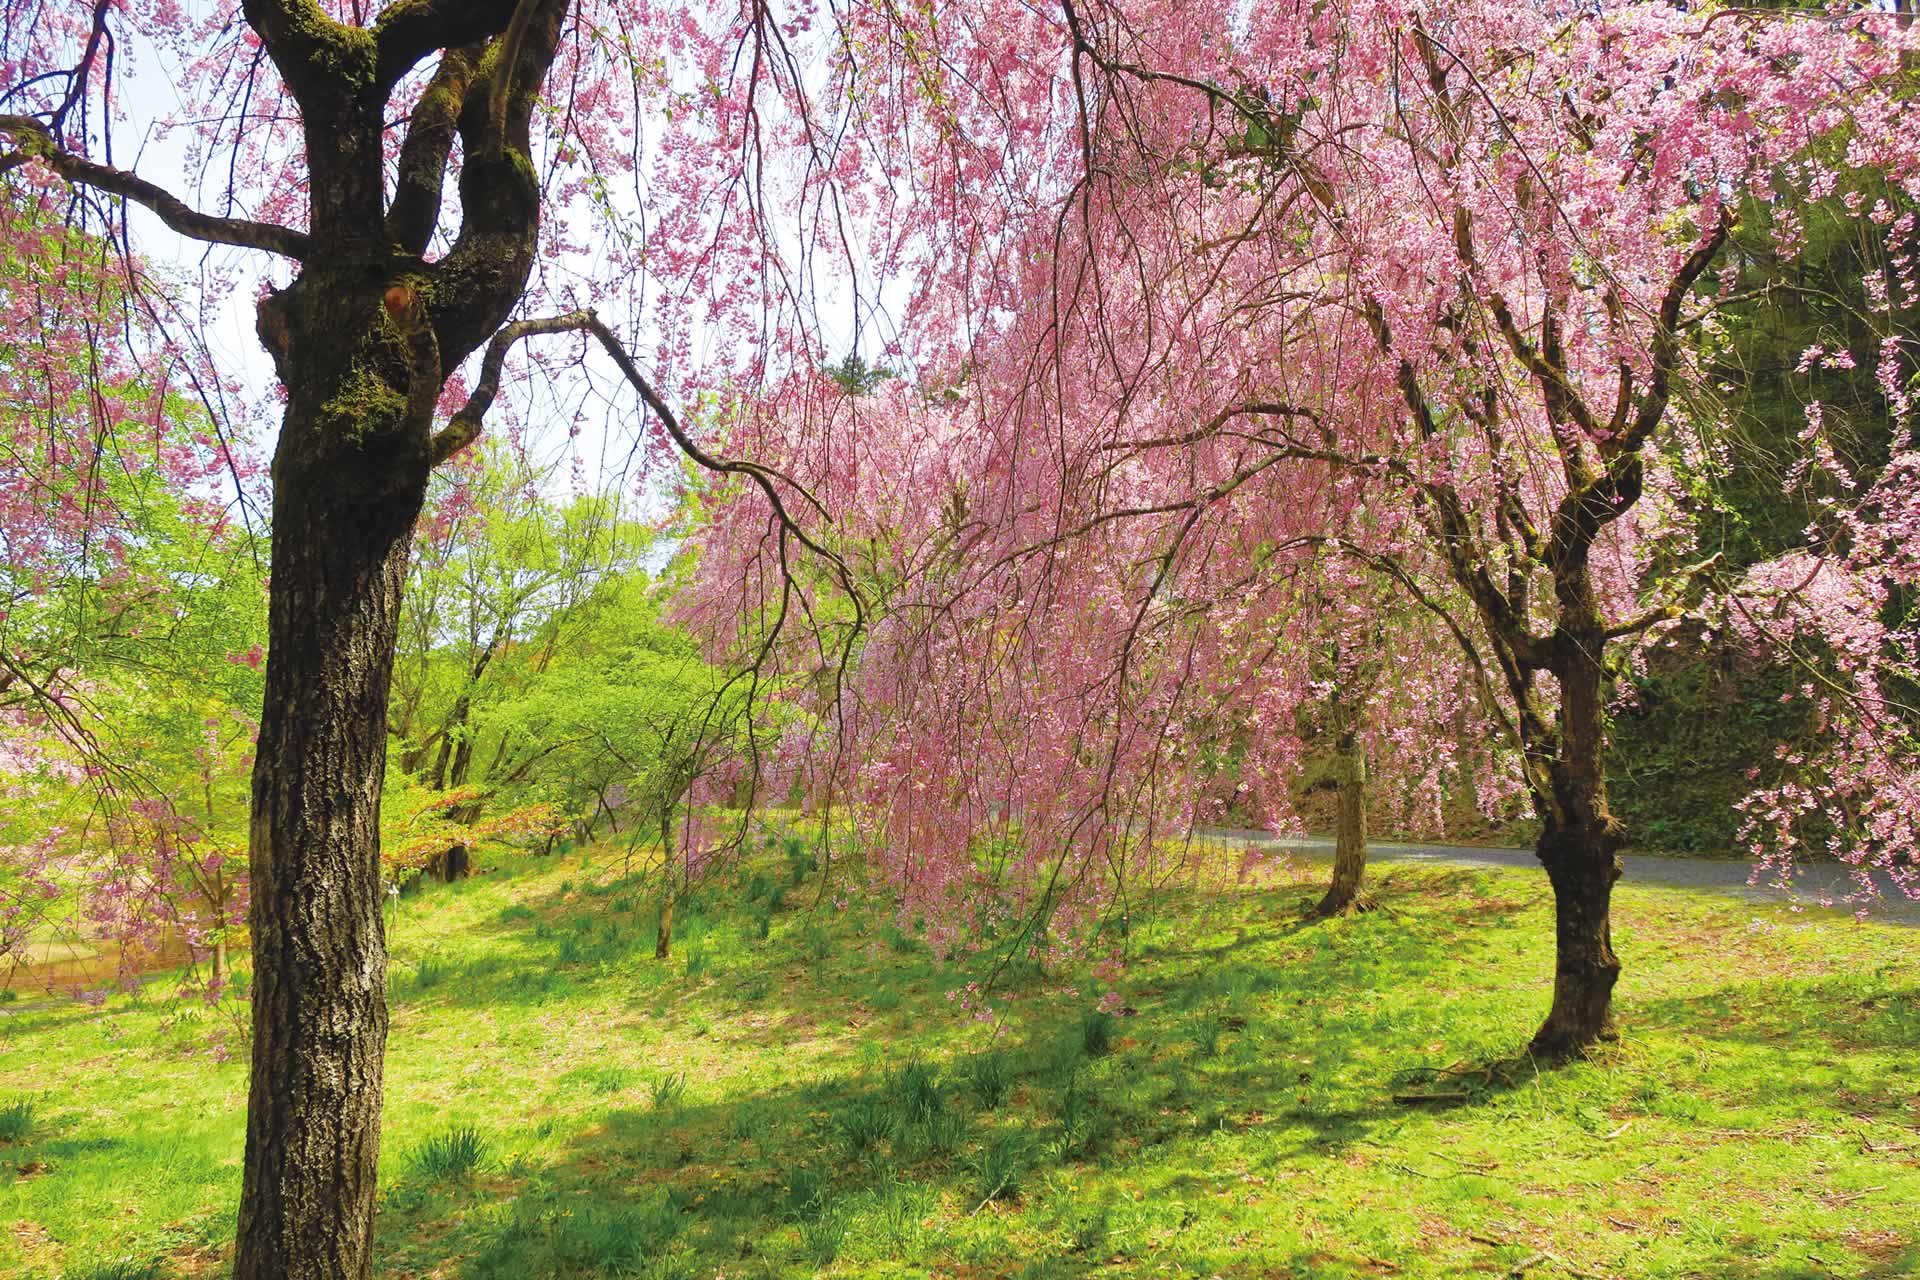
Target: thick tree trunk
[[1346, 895], [319, 944], [1582, 867]]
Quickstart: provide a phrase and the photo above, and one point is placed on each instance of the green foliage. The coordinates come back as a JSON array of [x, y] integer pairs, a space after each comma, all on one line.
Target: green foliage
[[430, 971], [823, 1233], [989, 1078], [16, 1119], [998, 1170], [552, 1236], [865, 1123], [123, 1268], [915, 1090], [856, 377], [1247, 1161], [1096, 1033], [452, 1153], [668, 1090]]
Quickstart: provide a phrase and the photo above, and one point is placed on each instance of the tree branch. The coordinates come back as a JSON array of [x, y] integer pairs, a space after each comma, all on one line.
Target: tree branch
[[36, 143], [465, 425], [408, 30]]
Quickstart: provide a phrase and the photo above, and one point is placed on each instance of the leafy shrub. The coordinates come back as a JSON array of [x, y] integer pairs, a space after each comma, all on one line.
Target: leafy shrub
[[452, 1154]]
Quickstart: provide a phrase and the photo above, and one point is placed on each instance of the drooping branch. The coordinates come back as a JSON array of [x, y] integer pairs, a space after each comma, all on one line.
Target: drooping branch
[[34, 142], [466, 423]]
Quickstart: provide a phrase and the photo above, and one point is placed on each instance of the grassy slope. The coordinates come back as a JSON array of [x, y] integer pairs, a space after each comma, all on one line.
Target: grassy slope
[[1762, 1117]]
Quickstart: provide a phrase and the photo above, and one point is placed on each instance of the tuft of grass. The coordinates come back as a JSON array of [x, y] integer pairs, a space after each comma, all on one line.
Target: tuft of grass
[[515, 912], [1096, 1033], [667, 1090], [431, 971], [989, 1078], [551, 1235], [16, 1119], [747, 1121], [1090, 1233], [822, 1235], [998, 1170], [915, 1090], [864, 1124], [600, 1079], [121, 1269], [940, 1134], [450, 1154]]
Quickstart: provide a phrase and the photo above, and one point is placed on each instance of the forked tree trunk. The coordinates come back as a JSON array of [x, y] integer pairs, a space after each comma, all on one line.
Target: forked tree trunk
[[319, 944], [1346, 894]]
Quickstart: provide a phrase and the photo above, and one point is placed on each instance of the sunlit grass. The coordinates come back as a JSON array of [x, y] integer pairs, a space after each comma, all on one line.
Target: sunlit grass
[[808, 1099]]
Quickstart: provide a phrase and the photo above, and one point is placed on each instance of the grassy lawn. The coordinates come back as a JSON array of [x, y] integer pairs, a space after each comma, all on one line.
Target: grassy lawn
[[795, 1093]]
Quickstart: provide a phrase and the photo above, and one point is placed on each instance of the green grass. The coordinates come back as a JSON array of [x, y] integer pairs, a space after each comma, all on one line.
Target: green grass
[[813, 1102]]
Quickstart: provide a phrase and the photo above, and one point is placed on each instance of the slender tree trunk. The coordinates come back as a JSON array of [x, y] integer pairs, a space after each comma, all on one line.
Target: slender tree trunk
[[1578, 846], [319, 943], [663, 940], [1346, 896]]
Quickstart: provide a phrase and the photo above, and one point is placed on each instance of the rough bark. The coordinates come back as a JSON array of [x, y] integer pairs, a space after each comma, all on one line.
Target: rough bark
[[319, 945], [1581, 865]]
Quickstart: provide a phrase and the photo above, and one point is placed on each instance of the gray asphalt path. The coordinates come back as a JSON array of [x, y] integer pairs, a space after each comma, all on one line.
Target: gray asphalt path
[[1712, 875]]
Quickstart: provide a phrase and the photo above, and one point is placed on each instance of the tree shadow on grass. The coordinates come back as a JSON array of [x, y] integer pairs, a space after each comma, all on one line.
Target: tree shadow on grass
[[783, 1179]]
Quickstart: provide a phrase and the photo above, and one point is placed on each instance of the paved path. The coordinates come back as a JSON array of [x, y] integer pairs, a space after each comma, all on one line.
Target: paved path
[[1714, 875]]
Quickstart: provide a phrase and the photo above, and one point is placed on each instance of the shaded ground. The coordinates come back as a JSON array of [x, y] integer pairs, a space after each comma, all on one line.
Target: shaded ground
[[796, 1092], [1721, 875]]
